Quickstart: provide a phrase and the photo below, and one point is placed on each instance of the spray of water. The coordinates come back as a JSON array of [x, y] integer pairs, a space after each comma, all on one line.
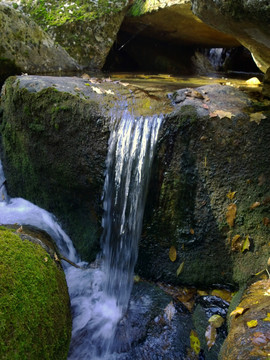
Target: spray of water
[[99, 297]]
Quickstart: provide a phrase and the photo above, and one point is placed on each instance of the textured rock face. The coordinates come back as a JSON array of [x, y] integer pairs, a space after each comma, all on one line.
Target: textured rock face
[[209, 166], [25, 47], [246, 20], [173, 21], [85, 29], [249, 335], [55, 136]]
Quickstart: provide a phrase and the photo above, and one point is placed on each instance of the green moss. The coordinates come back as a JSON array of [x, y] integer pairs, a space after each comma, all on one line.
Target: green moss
[[34, 305], [57, 13]]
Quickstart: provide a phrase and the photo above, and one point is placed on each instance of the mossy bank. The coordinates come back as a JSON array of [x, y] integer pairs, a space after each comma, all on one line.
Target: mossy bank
[[35, 321]]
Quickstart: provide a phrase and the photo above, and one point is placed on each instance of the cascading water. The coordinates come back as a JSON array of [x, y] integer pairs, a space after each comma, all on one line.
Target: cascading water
[[99, 297]]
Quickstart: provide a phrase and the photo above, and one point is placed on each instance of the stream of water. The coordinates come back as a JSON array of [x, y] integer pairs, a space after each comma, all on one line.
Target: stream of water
[[99, 296]]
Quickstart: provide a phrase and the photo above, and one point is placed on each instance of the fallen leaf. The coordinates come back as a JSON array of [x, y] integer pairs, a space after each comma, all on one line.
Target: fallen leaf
[[266, 221], [20, 229], [210, 336], [202, 293], [170, 311], [231, 194], [257, 117], [205, 161], [96, 89], [261, 179], [267, 292], [77, 89], [259, 339], [213, 114], [180, 268], [205, 106], [252, 323], [203, 138], [235, 239], [267, 317], [238, 311], [109, 92], [86, 84], [246, 244], [253, 81], [231, 214], [136, 278], [223, 294], [172, 253], [85, 76], [192, 231], [268, 262], [223, 114], [255, 205], [194, 342], [56, 258], [216, 321]]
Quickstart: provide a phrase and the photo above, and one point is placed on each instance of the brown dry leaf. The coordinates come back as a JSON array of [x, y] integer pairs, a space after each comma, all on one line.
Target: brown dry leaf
[[216, 321], [255, 205], [257, 117], [85, 76], [210, 335], [231, 214], [170, 311], [231, 194], [172, 253], [266, 221], [246, 244], [235, 238], [56, 258], [20, 229], [223, 114], [213, 114], [205, 106], [261, 179], [203, 138], [77, 89], [191, 231]]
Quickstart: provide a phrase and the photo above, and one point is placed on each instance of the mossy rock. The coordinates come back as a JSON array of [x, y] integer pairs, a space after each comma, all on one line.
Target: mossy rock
[[35, 321]]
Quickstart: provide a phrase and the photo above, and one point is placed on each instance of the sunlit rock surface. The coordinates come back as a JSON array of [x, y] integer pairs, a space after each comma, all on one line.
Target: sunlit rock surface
[[249, 333], [247, 21], [25, 47]]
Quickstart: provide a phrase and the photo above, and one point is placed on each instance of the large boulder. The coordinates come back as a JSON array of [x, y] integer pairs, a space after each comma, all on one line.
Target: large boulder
[[86, 29], [35, 309], [55, 138], [247, 21], [207, 214], [25, 47]]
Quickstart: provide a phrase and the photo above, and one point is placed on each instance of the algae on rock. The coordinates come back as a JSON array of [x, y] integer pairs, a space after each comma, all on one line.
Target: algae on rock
[[35, 319]]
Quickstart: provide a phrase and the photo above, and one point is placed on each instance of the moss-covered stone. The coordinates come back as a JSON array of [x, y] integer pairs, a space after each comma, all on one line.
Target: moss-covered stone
[[35, 319]]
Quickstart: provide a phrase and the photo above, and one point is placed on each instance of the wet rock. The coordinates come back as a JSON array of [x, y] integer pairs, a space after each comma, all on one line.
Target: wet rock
[[249, 334], [211, 158]]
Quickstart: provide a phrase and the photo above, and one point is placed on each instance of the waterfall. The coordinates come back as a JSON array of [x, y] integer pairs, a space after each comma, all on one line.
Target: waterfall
[[99, 296], [130, 155]]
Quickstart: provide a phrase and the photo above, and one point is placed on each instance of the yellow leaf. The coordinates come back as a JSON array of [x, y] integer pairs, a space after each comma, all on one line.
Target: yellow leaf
[[223, 294], [136, 278], [172, 253], [194, 342], [231, 214], [235, 238], [246, 244], [252, 323], [257, 117], [223, 114], [253, 81], [180, 268], [210, 335], [202, 293], [237, 311], [216, 321], [231, 194], [267, 317]]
